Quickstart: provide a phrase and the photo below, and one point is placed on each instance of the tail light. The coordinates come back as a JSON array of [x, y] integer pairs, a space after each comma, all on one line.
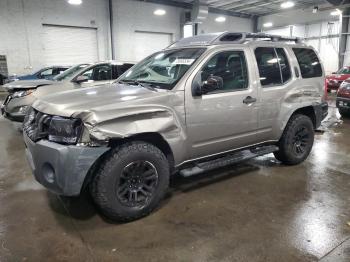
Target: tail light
[[325, 94]]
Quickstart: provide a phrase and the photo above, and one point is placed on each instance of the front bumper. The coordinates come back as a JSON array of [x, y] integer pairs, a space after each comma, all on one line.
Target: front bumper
[[15, 109], [60, 168], [343, 103]]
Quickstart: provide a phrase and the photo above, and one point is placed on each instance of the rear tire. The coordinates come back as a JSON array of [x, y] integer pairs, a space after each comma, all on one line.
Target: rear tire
[[131, 181], [297, 140]]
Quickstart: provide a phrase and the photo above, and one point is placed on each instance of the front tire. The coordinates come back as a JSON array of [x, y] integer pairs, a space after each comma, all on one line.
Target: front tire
[[297, 140], [131, 181]]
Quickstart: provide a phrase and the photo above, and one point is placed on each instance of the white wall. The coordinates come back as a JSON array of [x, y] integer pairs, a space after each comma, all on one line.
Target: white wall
[[300, 16], [131, 16], [21, 28], [233, 24], [305, 24]]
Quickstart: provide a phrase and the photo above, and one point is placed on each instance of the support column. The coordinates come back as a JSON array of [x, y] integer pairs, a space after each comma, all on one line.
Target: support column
[[344, 32], [110, 9]]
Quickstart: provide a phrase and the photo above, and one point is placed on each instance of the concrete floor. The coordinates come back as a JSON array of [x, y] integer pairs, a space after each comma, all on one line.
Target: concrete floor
[[256, 211]]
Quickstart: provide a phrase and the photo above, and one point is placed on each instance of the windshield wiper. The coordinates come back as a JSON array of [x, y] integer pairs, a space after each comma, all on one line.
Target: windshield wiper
[[139, 83], [130, 82]]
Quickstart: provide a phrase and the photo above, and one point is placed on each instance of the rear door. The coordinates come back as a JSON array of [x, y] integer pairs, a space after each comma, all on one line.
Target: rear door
[[275, 75], [225, 119]]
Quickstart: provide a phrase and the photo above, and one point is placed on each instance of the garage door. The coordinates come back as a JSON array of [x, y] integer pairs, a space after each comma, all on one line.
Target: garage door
[[146, 43], [69, 45]]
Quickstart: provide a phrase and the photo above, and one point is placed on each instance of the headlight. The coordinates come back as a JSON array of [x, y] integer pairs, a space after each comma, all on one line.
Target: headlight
[[22, 93], [65, 130], [345, 85]]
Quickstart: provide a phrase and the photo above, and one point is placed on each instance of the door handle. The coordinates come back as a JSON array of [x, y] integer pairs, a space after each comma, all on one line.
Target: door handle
[[249, 100]]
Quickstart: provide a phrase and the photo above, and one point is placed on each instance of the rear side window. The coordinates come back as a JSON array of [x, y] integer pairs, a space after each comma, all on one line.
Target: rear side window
[[308, 62], [269, 69], [284, 64]]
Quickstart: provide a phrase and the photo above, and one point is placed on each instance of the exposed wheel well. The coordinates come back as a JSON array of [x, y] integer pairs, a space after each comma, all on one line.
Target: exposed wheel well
[[153, 138], [308, 111]]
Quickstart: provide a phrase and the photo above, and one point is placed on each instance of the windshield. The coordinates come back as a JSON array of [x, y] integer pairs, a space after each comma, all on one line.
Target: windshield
[[70, 72], [163, 69], [344, 70]]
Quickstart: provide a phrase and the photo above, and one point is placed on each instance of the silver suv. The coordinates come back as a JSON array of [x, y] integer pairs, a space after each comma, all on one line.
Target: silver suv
[[203, 103]]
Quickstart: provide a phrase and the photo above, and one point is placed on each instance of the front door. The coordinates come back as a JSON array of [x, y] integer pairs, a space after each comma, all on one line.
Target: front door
[[224, 119]]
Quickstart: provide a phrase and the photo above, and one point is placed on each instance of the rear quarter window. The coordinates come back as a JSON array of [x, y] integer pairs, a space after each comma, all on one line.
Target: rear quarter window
[[309, 63]]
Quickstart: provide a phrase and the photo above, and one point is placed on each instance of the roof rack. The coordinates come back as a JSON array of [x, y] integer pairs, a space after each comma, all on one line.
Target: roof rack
[[231, 38], [242, 37]]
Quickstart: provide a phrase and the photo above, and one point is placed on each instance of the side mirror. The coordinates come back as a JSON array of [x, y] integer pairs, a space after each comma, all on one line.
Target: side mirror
[[81, 79], [211, 84]]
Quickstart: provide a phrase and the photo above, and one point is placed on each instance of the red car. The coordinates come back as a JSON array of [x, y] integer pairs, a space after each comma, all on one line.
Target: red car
[[336, 78], [343, 98]]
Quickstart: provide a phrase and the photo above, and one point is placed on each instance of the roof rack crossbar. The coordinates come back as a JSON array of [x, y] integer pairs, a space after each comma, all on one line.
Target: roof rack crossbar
[[242, 37], [232, 38]]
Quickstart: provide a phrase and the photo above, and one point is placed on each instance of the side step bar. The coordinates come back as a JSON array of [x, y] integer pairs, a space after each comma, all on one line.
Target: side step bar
[[228, 160]]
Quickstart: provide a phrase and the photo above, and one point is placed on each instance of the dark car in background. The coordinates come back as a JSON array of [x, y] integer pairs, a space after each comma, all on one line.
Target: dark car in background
[[343, 98], [336, 78], [2, 79], [44, 73]]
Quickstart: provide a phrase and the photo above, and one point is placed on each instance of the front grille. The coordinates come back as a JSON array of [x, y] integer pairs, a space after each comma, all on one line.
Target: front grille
[[36, 125]]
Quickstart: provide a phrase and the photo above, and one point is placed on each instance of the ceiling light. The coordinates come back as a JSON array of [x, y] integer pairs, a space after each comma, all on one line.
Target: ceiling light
[[288, 4], [159, 12], [75, 2], [336, 12], [220, 19], [268, 24]]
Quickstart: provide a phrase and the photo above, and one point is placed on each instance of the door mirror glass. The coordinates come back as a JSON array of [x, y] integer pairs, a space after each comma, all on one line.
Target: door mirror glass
[[212, 84], [81, 79]]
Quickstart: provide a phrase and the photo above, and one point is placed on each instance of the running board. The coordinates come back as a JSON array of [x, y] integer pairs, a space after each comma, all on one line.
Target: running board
[[228, 160]]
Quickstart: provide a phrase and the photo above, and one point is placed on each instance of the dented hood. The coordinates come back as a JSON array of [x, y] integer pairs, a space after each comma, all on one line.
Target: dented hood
[[27, 84], [98, 103]]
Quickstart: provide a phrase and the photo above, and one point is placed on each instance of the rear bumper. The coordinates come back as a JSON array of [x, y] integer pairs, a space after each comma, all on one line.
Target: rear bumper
[[61, 169], [343, 103], [321, 112]]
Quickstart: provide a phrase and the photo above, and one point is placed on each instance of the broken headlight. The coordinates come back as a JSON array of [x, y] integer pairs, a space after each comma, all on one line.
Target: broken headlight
[[65, 130], [22, 93]]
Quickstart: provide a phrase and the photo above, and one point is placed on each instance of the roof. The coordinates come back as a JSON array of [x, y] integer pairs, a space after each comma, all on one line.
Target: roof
[[231, 38]]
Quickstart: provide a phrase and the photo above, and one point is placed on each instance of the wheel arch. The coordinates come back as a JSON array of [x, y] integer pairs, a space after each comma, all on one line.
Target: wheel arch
[[153, 138], [308, 111]]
